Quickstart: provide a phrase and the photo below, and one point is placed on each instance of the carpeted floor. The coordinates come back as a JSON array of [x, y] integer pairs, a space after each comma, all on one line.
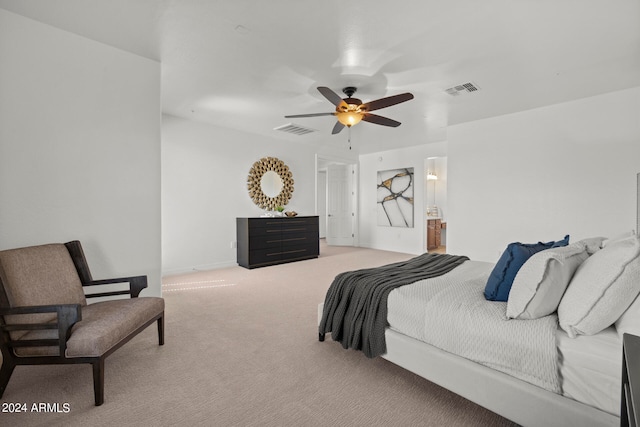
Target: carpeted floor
[[242, 350]]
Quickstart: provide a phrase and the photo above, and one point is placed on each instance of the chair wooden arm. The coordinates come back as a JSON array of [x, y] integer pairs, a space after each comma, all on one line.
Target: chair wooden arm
[[136, 285], [67, 315]]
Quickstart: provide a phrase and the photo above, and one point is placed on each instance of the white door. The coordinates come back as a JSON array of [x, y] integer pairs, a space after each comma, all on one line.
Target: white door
[[339, 205], [322, 203]]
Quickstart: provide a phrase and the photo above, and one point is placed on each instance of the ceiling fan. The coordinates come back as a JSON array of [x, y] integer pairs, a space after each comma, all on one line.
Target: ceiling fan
[[350, 111]]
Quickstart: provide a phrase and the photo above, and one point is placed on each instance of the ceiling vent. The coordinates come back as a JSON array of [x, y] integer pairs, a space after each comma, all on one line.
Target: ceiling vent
[[294, 129], [463, 88]]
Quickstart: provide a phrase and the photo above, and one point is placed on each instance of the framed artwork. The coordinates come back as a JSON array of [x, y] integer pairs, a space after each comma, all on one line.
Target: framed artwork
[[395, 198]]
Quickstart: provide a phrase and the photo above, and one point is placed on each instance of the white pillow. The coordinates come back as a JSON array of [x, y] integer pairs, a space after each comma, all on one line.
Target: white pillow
[[629, 322], [602, 288], [593, 244], [542, 280], [617, 238]]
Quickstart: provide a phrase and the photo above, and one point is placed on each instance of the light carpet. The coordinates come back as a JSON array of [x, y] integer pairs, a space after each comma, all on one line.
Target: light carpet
[[242, 350]]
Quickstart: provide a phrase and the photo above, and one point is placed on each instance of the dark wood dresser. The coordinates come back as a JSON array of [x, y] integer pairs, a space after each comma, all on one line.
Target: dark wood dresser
[[269, 241]]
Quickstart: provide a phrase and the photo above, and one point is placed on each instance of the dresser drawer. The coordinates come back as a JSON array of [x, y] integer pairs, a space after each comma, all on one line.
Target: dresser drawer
[[269, 231], [265, 241], [255, 223], [296, 231], [305, 239], [265, 256], [297, 252], [264, 227], [299, 221], [276, 256]]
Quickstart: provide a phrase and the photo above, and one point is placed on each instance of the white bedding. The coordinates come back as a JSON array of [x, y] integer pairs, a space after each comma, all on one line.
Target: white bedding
[[591, 368], [450, 312], [407, 309]]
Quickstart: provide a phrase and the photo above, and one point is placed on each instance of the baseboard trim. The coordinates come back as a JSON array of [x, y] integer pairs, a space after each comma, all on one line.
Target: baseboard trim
[[201, 267]]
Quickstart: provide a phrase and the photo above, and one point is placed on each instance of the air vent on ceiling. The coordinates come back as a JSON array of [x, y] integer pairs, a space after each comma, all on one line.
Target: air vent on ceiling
[[294, 129], [463, 88]]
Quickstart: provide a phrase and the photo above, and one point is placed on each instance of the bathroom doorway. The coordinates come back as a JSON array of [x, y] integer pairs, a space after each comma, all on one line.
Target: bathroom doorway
[[435, 204]]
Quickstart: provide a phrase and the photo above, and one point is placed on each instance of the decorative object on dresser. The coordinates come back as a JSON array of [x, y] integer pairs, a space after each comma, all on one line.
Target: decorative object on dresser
[[270, 183], [269, 241]]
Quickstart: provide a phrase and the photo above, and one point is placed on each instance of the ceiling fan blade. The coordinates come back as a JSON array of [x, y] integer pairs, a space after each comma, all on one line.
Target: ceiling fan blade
[[379, 120], [337, 128], [333, 97], [386, 102], [310, 115]]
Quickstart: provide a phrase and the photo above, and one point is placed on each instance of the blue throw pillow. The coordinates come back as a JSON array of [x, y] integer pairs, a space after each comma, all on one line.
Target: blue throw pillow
[[514, 257]]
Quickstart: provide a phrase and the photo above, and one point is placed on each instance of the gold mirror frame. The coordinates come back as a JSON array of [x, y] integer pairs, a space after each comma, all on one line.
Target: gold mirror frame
[[261, 167]]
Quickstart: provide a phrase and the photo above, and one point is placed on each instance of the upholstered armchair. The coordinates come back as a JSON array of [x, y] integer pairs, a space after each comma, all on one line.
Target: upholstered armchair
[[45, 318]]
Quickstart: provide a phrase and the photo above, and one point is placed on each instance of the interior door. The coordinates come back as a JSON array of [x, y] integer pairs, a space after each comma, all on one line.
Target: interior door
[[322, 203], [340, 219]]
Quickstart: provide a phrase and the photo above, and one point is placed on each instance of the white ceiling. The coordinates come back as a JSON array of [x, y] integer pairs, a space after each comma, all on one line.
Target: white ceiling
[[245, 64]]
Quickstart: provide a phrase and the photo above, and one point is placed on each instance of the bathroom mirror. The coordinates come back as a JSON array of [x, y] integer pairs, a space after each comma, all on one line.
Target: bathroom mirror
[[270, 183]]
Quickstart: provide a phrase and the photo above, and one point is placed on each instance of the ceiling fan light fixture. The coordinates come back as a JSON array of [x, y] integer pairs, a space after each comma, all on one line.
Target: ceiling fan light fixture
[[349, 118], [349, 112]]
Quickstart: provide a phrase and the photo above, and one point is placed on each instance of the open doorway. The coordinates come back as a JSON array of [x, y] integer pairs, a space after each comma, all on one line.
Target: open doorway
[[435, 201], [336, 195]]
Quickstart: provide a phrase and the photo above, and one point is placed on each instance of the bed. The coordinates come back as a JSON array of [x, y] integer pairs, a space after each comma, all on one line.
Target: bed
[[548, 352]]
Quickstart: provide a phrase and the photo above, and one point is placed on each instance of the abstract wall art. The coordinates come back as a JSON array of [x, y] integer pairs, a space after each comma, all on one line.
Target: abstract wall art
[[395, 198]]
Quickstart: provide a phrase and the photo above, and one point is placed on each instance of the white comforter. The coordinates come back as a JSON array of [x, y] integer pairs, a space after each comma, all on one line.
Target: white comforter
[[451, 313]]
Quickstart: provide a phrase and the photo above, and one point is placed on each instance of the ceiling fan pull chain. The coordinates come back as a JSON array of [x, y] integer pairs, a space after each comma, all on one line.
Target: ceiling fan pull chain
[[349, 137]]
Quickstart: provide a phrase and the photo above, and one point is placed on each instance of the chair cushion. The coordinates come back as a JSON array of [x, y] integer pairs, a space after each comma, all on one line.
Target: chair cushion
[[103, 325], [39, 275]]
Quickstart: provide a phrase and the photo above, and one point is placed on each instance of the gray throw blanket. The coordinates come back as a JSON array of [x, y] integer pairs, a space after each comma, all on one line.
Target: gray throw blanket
[[355, 307]]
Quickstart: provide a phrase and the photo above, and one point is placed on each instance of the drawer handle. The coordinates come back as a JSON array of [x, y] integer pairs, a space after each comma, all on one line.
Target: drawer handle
[[287, 252], [284, 230], [286, 240]]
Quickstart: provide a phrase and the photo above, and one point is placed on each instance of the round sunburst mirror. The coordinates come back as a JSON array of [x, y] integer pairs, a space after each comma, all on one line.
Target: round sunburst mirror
[[270, 183]]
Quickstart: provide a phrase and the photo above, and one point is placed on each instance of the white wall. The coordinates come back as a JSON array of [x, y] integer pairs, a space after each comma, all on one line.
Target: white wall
[[397, 239], [204, 189], [540, 174], [79, 148]]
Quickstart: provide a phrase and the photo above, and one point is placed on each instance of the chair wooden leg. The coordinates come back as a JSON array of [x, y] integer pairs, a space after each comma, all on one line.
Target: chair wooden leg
[[5, 373], [161, 330], [98, 381]]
